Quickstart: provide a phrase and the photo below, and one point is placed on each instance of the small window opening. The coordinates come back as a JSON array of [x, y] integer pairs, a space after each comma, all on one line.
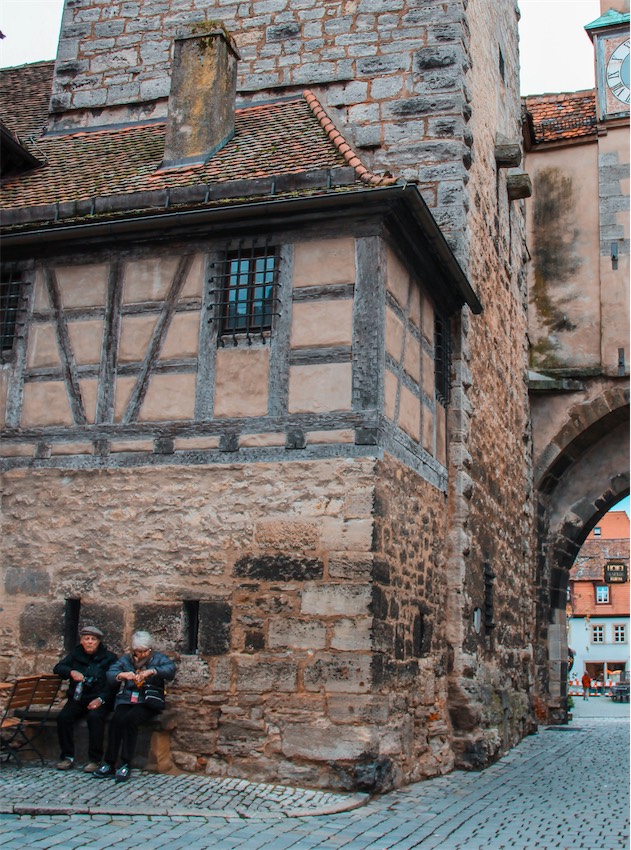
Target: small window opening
[[502, 65], [191, 626], [10, 288], [489, 602], [597, 531], [247, 294], [72, 612]]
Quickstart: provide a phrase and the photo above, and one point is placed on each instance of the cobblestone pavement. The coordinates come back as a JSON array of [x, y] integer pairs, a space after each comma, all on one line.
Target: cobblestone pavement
[[565, 787]]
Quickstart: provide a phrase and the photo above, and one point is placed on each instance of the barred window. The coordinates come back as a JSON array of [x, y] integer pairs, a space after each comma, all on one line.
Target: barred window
[[442, 358], [248, 298], [10, 286]]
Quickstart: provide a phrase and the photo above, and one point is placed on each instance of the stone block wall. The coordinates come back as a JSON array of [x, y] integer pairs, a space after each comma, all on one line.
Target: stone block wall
[[311, 663], [391, 73]]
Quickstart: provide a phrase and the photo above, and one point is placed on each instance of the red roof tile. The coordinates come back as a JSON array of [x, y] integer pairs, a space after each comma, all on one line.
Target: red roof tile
[[285, 137], [562, 117], [24, 96]]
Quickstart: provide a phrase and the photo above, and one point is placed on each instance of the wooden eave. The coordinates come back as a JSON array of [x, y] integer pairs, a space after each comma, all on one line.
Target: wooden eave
[[189, 211]]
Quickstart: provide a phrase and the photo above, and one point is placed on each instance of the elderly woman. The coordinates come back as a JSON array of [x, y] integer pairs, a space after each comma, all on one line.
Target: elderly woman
[[140, 675]]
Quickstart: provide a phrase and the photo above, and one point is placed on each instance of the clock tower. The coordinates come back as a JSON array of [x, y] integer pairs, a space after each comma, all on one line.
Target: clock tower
[[610, 35]]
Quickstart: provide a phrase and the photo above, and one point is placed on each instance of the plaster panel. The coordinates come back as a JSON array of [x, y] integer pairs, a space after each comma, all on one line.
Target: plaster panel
[[242, 382], [182, 337], [321, 323], [148, 279], [343, 435], [85, 341], [324, 261], [427, 374], [253, 440], [45, 403], [415, 305], [394, 335], [89, 389], [410, 414], [124, 387], [194, 284], [42, 346], [412, 360], [391, 384], [169, 397], [427, 421], [427, 310], [398, 281], [318, 389], [189, 443], [82, 286], [41, 301], [135, 335]]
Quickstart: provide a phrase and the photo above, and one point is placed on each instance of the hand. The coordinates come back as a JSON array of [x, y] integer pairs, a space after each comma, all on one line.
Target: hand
[[126, 676], [95, 703], [141, 675], [76, 676]]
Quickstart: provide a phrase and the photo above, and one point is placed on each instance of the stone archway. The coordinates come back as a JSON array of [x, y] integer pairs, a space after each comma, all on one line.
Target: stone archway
[[581, 474]]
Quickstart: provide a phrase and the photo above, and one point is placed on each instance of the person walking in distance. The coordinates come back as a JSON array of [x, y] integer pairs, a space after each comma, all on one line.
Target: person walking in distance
[[586, 682], [141, 675], [89, 695]]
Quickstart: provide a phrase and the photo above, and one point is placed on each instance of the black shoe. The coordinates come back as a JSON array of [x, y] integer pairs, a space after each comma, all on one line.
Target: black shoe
[[122, 774], [104, 771]]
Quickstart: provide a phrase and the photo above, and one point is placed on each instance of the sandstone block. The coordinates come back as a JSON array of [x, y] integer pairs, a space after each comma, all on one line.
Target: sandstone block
[[331, 600], [350, 635], [298, 634], [328, 743], [262, 676], [338, 673]]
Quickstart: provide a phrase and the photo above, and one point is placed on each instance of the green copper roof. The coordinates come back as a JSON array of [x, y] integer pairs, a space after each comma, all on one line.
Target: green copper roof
[[609, 19]]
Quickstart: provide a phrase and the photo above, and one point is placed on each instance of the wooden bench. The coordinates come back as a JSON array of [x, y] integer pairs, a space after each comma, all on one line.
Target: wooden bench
[[153, 751], [26, 714]]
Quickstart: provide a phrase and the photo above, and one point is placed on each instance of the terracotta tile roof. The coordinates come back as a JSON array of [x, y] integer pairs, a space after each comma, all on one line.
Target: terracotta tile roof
[[24, 96], [286, 137], [562, 117], [594, 554]]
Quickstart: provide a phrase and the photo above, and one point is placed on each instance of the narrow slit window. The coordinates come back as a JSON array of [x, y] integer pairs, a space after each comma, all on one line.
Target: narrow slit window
[[191, 626], [248, 297], [72, 612], [10, 290]]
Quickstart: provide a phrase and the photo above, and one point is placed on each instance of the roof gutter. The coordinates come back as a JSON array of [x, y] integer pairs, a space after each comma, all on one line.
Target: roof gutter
[[401, 204]]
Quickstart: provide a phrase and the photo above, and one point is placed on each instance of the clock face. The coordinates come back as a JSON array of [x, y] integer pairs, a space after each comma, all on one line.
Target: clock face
[[618, 73]]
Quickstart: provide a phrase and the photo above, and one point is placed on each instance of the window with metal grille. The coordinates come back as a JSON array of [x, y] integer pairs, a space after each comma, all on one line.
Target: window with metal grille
[[10, 287], [248, 298], [442, 358]]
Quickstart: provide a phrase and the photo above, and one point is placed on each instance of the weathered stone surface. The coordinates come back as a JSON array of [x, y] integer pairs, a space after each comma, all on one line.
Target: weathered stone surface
[[278, 568]]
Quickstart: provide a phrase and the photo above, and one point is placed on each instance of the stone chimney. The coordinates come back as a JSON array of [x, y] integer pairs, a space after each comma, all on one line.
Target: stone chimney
[[202, 98]]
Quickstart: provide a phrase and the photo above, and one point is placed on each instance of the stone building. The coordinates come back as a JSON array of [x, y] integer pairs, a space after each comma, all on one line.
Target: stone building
[[265, 377], [577, 155], [598, 603]]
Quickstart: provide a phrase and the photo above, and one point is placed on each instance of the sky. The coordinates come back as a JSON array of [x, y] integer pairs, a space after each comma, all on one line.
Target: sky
[[556, 53]]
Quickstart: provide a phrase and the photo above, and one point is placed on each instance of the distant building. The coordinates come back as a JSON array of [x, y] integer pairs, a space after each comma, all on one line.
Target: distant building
[[598, 604]]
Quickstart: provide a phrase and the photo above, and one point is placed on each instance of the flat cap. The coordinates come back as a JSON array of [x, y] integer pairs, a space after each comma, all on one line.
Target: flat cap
[[91, 630]]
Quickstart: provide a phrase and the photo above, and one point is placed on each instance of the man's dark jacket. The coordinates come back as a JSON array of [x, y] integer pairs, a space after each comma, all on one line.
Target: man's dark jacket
[[94, 667]]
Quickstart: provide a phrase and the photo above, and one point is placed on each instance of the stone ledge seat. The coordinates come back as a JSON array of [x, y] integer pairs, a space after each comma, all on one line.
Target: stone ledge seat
[[153, 751]]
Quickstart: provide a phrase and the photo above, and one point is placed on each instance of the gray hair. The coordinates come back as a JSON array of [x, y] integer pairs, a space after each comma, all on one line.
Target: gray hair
[[141, 640]]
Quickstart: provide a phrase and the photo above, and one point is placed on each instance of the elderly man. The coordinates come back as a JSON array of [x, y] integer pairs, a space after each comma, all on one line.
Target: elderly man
[[89, 693]]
